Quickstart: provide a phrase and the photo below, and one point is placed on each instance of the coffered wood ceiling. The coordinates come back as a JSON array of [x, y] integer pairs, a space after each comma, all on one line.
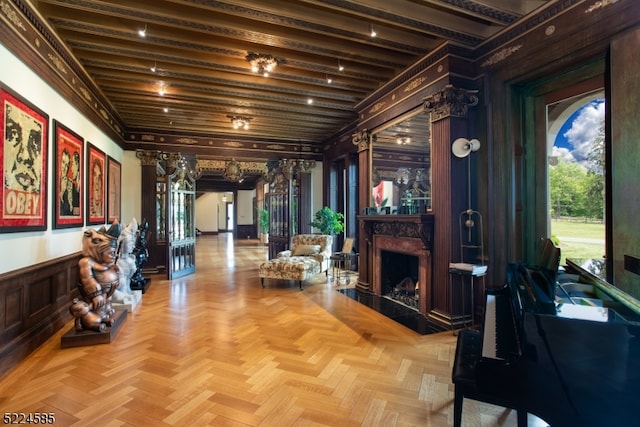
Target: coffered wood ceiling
[[198, 49]]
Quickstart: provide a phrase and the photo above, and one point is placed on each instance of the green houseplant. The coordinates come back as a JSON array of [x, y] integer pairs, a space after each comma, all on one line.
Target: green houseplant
[[328, 221], [263, 225]]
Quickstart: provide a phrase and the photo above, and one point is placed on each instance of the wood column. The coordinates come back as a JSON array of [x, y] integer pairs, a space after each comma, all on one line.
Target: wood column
[[448, 109]]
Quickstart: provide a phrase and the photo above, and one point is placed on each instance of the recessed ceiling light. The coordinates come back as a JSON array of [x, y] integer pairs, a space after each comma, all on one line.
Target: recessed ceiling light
[[309, 101]]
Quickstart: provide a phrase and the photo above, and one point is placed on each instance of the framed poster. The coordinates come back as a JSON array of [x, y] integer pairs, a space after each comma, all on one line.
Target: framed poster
[[114, 182], [96, 185], [24, 160], [69, 188]]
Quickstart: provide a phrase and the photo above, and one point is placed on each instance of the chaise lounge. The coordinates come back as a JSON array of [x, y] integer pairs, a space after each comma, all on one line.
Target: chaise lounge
[[309, 255]]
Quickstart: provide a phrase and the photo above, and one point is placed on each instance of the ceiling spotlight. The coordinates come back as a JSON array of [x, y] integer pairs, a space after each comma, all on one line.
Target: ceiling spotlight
[[340, 66], [165, 109], [154, 68], [373, 32], [240, 122], [143, 32], [309, 101], [261, 63], [329, 80], [161, 90]]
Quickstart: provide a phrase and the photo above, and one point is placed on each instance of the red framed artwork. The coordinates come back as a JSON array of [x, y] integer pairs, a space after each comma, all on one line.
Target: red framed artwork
[[23, 205], [96, 185], [114, 182], [69, 188]]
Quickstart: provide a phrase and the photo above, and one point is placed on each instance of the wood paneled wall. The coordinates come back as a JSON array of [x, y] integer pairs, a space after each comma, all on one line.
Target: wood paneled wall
[[34, 304]]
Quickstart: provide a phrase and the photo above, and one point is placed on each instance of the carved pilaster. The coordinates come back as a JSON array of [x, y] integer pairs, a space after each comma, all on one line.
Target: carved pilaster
[[361, 139], [450, 102], [148, 157]]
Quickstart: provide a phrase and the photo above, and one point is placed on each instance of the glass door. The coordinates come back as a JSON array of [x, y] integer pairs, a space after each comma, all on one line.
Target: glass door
[[181, 225]]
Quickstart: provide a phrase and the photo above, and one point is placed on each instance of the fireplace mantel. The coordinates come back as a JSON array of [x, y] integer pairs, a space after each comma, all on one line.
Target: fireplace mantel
[[399, 226], [409, 234]]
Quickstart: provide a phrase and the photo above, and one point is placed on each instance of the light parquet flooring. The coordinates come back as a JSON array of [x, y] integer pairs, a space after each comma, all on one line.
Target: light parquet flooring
[[214, 348]]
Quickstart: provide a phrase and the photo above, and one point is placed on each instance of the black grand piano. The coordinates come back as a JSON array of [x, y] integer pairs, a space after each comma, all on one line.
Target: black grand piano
[[568, 353]]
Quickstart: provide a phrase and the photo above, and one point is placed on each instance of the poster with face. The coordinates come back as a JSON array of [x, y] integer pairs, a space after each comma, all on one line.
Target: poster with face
[[96, 180], [69, 193], [23, 206]]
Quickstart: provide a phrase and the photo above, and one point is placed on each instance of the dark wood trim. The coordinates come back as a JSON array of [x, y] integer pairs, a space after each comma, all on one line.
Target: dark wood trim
[[35, 303]]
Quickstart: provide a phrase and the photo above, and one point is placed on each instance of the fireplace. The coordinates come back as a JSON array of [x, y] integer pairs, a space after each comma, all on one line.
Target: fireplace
[[399, 278], [398, 259]]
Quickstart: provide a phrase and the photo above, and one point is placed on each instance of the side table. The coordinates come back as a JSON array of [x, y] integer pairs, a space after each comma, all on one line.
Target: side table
[[471, 276]]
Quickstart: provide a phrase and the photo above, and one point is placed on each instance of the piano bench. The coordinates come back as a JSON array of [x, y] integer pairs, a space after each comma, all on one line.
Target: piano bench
[[464, 378]]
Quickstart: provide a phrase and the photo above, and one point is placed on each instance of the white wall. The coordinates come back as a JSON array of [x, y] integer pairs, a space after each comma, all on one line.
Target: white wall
[[207, 207], [316, 188], [27, 248], [131, 189], [244, 205]]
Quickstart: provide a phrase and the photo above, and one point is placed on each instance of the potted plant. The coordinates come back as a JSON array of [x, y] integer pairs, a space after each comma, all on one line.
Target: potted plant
[[328, 221], [263, 225]]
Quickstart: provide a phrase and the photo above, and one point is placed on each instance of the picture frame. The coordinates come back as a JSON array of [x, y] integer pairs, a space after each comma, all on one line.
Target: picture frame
[[23, 164], [114, 186], [96, 181], [68, 164]]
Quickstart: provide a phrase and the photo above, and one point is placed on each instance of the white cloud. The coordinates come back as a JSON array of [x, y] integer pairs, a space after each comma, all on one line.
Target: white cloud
[[563, 152], [584, 130]]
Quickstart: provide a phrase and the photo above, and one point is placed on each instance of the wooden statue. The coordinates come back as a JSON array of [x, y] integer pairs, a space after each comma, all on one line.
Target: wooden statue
[[98, 279]]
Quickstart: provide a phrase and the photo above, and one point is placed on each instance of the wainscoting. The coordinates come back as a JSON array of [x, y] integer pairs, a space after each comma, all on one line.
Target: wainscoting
[[34, 305]]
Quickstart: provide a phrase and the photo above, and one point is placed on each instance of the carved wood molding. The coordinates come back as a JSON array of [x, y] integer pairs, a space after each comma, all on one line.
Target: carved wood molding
[[450, 102], [400, 226], [361, 140], [148, 157]]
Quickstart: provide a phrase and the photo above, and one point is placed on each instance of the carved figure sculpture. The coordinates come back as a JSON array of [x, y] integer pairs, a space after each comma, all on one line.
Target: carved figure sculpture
[[141, 255], [98, 279], [126, 260]]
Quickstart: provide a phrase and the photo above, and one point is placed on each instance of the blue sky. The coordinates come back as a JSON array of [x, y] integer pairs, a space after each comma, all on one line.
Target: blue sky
[[576, 136]]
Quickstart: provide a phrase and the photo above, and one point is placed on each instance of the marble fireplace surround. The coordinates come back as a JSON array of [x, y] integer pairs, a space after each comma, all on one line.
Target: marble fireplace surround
[[404, 234]]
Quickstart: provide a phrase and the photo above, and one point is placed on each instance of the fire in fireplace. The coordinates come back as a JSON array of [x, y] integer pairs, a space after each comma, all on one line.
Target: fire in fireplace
[[399, 278]]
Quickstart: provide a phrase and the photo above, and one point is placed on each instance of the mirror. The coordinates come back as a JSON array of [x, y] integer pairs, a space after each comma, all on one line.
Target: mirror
[[401, 166]]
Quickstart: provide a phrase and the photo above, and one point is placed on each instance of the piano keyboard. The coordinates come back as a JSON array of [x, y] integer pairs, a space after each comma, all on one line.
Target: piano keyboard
[[500, 337]]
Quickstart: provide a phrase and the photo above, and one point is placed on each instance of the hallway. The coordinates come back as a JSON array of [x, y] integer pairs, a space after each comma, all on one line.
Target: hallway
[[214, 348]]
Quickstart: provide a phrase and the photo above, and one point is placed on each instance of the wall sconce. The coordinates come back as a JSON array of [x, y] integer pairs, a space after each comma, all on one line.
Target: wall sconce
[[461, 148]]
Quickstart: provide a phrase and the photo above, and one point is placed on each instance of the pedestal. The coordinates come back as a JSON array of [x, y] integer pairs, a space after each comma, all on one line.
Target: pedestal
[[75, 338], [128, 303], [141, 285]]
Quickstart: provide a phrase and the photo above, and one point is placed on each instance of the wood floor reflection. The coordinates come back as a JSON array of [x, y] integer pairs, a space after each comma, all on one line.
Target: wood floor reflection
[[215, 348]]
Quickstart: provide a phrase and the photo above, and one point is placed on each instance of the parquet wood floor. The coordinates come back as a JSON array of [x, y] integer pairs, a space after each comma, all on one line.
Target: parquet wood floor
[[214, 348]]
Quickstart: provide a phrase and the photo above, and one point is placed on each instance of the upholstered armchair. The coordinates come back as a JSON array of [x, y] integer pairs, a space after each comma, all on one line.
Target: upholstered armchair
[[309, 255]]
